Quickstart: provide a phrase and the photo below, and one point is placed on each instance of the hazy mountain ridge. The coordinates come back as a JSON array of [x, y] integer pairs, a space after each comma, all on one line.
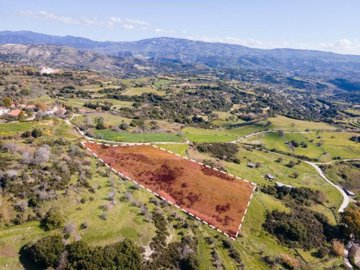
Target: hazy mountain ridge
[[178, 52]]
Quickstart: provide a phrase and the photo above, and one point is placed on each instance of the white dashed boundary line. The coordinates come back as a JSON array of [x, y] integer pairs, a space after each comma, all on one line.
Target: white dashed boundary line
[[166, 200]]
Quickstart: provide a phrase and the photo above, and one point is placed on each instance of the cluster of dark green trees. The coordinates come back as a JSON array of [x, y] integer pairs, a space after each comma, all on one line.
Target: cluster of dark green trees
[[223, 151], [52, 252], [306, 229], [295, 196]]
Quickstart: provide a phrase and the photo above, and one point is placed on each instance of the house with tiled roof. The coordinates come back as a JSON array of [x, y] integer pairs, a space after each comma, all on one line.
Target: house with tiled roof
[[14, 113]]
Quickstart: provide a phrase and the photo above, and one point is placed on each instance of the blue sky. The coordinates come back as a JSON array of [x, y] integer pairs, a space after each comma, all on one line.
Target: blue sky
[[331, 25]]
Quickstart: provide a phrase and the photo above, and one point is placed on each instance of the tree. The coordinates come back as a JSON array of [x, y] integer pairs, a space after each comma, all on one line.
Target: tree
[[36, 132], [44, 253], [42, 155], [41, 106], [21, 116], [52, 220], [123, 126], [351, 219], [100, 123], [7, 102]]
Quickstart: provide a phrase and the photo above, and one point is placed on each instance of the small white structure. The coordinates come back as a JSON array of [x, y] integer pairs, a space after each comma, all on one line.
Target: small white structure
[[251, 165], [348, 192], [269, 176], [4, 110], [278, 184], [52, 111], [48, 70]]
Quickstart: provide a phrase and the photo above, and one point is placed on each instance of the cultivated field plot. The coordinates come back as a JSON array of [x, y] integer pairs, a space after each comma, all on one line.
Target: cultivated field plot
[[219, 199]]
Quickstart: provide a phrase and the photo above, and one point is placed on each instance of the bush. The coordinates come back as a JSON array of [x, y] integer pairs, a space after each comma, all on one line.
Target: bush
[[44, 253], [338, 248], [100, 123], [351, 219], [52, 220], [36, 132]]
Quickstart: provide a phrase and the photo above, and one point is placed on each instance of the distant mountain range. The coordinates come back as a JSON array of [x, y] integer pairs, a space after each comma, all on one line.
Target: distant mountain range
[[173, 53]]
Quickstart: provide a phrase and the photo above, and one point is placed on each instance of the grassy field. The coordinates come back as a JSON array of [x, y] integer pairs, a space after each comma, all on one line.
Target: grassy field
[[176, 148], [162, 83], [346, 174], [322, 146], [288, 124], [138, 91], [45, 99], [224, 119], [98, 232], [76, 102], [255, 242], [109, 119], [54, 127], [200, 135], [9, 129], [123, 219], [353, 112], [137, 137]]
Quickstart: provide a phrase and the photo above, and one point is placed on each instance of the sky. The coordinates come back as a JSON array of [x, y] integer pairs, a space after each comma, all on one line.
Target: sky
[[329, 25]]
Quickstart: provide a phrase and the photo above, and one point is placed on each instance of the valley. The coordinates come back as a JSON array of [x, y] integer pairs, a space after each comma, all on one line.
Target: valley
[[52, 187]]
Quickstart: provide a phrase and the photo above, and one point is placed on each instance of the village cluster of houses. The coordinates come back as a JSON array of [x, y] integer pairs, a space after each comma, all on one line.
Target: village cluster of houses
[[30, 111]]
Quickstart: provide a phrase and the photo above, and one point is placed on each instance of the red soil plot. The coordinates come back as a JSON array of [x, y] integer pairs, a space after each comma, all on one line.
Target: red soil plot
[[215, 197]]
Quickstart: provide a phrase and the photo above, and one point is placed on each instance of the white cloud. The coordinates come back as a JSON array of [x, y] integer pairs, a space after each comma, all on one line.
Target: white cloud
[[342, 46], [111, 22]]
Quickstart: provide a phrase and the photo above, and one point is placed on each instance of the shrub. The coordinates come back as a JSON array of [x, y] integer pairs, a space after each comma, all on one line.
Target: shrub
[[338, 248], [52, 220], [36, 132], [100, 123], [351, 219]]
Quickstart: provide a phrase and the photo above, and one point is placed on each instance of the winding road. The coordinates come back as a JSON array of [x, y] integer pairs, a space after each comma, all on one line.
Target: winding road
[[346, 198], [315, 165]]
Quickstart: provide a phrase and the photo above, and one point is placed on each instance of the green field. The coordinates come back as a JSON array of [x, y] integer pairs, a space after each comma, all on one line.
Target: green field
[[109, 119], [346, 174], [288, 124], [76, 102], [110, 135], [176, 148], [138, 91], [200, 135], [322, 146], [54, 127]]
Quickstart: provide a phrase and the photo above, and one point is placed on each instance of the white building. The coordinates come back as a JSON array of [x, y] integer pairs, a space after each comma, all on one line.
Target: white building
[[4, 110]]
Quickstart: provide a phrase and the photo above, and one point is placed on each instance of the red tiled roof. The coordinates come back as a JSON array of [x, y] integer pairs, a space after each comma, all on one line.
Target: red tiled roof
[[14, 113]]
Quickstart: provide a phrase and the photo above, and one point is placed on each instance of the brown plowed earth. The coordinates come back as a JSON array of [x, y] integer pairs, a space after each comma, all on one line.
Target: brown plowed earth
[[214, 197]]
